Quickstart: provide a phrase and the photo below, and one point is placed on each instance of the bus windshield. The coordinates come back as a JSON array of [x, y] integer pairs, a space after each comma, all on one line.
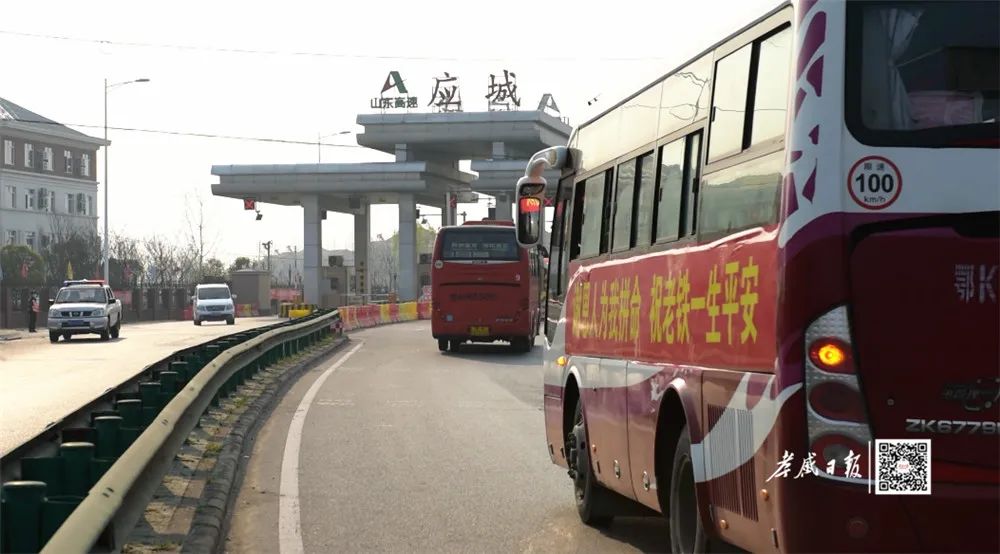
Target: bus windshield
[[926, 72], [479, 244]]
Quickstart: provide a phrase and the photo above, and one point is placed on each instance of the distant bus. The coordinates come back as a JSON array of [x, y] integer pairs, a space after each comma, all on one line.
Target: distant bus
[[485, 287], [773, 257]]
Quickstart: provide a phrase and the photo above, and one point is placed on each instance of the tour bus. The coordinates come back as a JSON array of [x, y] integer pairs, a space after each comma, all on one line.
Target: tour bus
[[769, 261], [485, 287]]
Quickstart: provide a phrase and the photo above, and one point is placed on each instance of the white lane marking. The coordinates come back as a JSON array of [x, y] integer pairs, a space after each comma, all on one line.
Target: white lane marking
[[289, 513]]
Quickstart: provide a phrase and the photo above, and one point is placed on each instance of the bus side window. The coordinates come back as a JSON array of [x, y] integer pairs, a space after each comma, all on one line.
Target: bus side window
[[591, 225], [677, 188]]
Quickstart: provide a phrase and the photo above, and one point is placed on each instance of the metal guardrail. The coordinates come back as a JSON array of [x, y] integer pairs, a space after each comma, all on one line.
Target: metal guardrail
[[126, 452]]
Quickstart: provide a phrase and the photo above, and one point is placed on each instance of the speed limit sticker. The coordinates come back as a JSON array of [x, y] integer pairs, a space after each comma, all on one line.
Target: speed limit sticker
[[874, 182]]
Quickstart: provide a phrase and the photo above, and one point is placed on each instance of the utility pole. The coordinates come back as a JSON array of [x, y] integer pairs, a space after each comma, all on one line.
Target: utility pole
[[267, 247]]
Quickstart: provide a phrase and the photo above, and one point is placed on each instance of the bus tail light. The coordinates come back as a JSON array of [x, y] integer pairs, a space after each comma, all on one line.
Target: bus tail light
[[835, 408]]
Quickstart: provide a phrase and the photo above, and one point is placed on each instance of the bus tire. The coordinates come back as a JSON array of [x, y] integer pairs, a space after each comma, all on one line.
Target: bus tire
[[593, 502], [686, 531], [453, 345], [521, 344], [443, 345]]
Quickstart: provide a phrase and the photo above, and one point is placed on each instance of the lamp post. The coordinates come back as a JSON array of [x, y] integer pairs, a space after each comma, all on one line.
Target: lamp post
[[107, 250], [319, 145]]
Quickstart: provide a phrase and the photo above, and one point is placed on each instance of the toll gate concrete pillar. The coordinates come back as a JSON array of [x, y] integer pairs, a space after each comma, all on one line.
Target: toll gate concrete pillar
[[449, 209], [362, 236], [312, 251], [407, 284], [504, 211]]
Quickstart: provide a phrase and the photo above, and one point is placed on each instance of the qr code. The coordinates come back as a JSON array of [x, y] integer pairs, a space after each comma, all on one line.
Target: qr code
[[902, 466]]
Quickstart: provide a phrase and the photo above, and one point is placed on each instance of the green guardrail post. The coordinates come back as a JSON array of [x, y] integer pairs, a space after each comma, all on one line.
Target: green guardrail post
[[55, 511], [150, 401], [183, 376], [211, 351], [131, 412], [107, 436], [168, 386], [22, 515], [76, 466], [47, 469]]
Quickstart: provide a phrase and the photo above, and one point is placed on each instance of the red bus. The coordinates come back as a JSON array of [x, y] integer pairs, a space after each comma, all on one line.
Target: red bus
[[772, 311], [484, 286]]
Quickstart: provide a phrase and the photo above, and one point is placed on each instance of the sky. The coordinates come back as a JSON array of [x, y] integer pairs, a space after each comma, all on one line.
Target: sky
[[295, 70]]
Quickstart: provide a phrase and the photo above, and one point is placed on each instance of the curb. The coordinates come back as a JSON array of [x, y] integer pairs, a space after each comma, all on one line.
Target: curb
[[208, 527]]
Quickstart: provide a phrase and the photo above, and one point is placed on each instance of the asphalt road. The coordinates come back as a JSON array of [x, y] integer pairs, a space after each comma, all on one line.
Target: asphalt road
[[406, 449], [41, 382]]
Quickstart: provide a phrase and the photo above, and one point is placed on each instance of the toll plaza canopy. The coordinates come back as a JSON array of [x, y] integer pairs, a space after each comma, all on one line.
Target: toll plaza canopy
[[428, 148]]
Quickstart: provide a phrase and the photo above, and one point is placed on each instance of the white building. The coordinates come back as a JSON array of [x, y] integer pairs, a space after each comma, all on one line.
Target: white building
[[47, 178]]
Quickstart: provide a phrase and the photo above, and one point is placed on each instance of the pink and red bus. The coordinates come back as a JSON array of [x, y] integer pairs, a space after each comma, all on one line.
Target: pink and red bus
[[769, 261], [485, 287]]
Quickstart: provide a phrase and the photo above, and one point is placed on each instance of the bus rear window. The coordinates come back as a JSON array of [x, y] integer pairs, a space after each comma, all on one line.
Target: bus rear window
[[924, 73], [479, 244]]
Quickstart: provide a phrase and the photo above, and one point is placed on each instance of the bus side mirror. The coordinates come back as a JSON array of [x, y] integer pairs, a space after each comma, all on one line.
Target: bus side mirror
[[529, 210]]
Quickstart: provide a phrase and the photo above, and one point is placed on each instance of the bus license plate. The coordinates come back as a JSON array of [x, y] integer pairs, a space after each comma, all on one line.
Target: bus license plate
[[479, 331]]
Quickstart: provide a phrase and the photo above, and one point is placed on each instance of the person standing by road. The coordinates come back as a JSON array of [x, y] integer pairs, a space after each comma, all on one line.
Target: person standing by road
[[33, 312]]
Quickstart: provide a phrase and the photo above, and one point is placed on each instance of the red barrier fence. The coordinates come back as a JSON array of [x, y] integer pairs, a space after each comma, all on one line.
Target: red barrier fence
[[372, 315]]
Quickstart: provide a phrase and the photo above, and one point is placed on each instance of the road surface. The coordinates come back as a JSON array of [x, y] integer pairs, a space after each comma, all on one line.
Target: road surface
[[41, 382], [406, 449]]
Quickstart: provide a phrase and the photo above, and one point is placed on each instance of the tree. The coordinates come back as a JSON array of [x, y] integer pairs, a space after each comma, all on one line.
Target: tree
[[21, 266], [239, 263], [199, 245], [126, 261], [72, 244], [213, 268], [161, 262]]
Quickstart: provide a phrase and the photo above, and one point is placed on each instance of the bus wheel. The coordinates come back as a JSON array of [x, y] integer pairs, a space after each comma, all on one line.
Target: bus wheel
[[521, 344], [686, 531], [593, 502], [454, 345], [442, 345]]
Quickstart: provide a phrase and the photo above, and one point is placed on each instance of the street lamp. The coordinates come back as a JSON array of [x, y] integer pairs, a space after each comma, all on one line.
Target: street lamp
[[107, 250], [319, 145]]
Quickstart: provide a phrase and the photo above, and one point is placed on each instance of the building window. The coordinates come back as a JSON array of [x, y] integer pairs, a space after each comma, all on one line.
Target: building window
[[29, 155], [10, 196], [70, 204], [8, 152], [68, 161], [11, 237], [29, 199], [85, 165], [29, 239], [45, 240], [90, 205], [47, 161], [81, 204], [50, 203]]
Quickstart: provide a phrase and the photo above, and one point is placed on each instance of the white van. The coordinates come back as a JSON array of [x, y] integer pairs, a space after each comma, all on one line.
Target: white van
[[213, 302]]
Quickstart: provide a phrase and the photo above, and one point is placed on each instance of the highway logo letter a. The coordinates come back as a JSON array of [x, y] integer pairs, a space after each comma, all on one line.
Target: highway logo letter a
[[393, 80]]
